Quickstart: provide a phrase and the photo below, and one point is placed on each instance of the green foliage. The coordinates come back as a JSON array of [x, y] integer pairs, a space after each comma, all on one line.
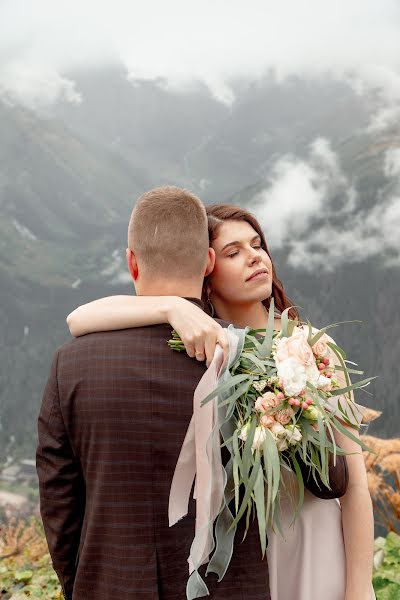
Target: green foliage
[[31, 580], [386, 577], [25, 566], [37, 579]]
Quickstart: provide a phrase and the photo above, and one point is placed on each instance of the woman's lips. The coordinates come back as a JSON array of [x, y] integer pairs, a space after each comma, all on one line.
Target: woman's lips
[[258, 276]]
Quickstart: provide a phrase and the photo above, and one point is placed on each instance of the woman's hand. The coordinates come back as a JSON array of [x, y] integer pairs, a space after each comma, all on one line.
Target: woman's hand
[[197, 330]]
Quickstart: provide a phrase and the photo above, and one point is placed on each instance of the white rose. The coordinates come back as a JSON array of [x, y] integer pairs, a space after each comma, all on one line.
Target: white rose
[[259, 435], [323, 382], [313, 374], [294, 434], [259, 438], [244, 432], [293, 375], [278, 431]]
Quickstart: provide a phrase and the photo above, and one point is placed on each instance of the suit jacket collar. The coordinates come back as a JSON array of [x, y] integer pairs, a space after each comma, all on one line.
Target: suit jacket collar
[[196, 301]]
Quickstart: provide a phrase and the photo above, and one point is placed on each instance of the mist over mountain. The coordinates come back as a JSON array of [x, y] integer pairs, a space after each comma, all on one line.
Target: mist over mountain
[[300, 154]]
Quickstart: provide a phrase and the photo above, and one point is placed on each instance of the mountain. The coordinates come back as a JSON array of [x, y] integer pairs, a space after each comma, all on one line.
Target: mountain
[[69, 178], [58, 193], [191, 138]]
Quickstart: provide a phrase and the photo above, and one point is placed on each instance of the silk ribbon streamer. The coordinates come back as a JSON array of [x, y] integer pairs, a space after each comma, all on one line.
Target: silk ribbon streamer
[[200, 458], [353, 411]]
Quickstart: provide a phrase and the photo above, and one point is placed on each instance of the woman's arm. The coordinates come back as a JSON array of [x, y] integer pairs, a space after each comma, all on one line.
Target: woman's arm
[[357, 512], [119, 312], [358, 523], [198, 331]]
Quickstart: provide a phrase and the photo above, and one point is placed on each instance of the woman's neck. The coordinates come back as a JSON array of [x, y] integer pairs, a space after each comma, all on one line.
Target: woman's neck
[[254, 315]]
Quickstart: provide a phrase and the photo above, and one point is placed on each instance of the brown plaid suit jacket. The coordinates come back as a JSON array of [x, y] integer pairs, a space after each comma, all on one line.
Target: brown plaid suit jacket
[[113, 417]]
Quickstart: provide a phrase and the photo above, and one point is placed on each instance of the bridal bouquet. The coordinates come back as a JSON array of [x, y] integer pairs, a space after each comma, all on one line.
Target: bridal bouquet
[[283, 397]]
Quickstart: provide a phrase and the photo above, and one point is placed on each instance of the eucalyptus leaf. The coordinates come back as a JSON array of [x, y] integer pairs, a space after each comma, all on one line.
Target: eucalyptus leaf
[[271, 455], [249, 487], [354, 386], [259, 494], [224, 387], [300, 482], [266, 346], [240, 391], [322, 444], [314, 339], [337, 425]]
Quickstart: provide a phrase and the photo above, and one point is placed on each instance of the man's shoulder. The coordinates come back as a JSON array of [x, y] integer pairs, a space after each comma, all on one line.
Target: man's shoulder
[[222, 322], [110, 338]]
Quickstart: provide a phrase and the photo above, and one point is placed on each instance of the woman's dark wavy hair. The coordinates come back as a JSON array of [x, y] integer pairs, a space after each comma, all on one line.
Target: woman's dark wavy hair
[[219, 213]]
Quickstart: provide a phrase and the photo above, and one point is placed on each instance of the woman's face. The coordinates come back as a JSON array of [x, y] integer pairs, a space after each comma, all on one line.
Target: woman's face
[[238, 257]]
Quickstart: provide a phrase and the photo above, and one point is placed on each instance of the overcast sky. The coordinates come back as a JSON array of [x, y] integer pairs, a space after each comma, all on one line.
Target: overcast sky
[[216, 41], [213, 41]]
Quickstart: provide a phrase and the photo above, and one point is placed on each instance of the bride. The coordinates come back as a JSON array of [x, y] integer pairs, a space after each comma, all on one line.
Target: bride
[[328, 553]]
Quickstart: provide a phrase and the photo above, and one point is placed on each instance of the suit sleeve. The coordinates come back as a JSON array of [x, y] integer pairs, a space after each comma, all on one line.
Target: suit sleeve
[[61, 485]]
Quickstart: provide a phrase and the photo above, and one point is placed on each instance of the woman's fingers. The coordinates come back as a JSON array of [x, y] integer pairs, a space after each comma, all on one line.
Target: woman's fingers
[[189, 345], [209, 347], [200, 355], [211, 342], [198, 332], [201, 344], [223, 341]]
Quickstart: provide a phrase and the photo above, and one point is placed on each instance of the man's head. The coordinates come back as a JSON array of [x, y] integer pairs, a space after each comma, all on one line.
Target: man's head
[[168, 249]]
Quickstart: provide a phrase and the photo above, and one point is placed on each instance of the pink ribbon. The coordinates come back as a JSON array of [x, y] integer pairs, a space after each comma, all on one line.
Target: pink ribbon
[[200, 457]]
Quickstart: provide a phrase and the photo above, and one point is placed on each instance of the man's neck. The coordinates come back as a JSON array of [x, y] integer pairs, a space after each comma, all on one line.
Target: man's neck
[[167, 288]]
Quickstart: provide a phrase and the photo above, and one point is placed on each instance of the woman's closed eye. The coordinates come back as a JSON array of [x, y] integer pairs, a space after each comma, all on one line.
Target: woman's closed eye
[[237, 251]]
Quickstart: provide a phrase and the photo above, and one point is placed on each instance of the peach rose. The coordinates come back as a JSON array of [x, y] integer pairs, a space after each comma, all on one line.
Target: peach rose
[[284, 416], [320, 348], [267, 421], [266, 401], [280, 435], [295, 346]]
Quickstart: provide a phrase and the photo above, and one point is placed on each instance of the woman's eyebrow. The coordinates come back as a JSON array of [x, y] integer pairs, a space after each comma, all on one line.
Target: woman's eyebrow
[[235, 243]]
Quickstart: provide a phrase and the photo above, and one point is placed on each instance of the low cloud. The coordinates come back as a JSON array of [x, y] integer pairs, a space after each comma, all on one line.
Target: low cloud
[[180, 43], [380, 83], [300, 192], [391, 164], [35, 86], [312, 209]]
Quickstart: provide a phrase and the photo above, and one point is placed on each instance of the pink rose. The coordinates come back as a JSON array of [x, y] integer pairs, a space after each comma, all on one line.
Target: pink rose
[[320, 348], [266, 401], [284, 416], [295, 346], [267, 421]]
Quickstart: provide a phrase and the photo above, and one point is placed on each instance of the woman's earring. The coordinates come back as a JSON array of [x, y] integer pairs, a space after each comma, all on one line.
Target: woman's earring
[[210, 304]]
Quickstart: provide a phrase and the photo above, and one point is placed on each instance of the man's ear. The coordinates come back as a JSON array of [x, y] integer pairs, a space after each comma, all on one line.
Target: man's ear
[[210, 261], [132, 264]]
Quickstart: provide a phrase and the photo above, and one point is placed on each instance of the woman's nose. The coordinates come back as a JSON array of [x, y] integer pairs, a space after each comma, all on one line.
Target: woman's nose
[[256, 257]]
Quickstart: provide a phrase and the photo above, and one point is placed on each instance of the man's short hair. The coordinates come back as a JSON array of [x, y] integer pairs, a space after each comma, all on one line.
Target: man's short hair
[[168, 233]]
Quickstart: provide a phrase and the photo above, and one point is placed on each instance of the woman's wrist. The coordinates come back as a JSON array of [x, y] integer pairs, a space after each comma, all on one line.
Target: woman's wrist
[[169, 305]]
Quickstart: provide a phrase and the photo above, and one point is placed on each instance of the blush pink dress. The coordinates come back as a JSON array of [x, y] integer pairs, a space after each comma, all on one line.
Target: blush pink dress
[[310, 562]]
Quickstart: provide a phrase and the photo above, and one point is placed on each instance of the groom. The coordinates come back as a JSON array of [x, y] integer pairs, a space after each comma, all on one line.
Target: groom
[[113, 418]]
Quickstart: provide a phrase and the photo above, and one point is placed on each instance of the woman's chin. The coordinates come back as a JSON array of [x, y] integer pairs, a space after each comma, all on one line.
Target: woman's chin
[[264, 292], [258, 296]]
